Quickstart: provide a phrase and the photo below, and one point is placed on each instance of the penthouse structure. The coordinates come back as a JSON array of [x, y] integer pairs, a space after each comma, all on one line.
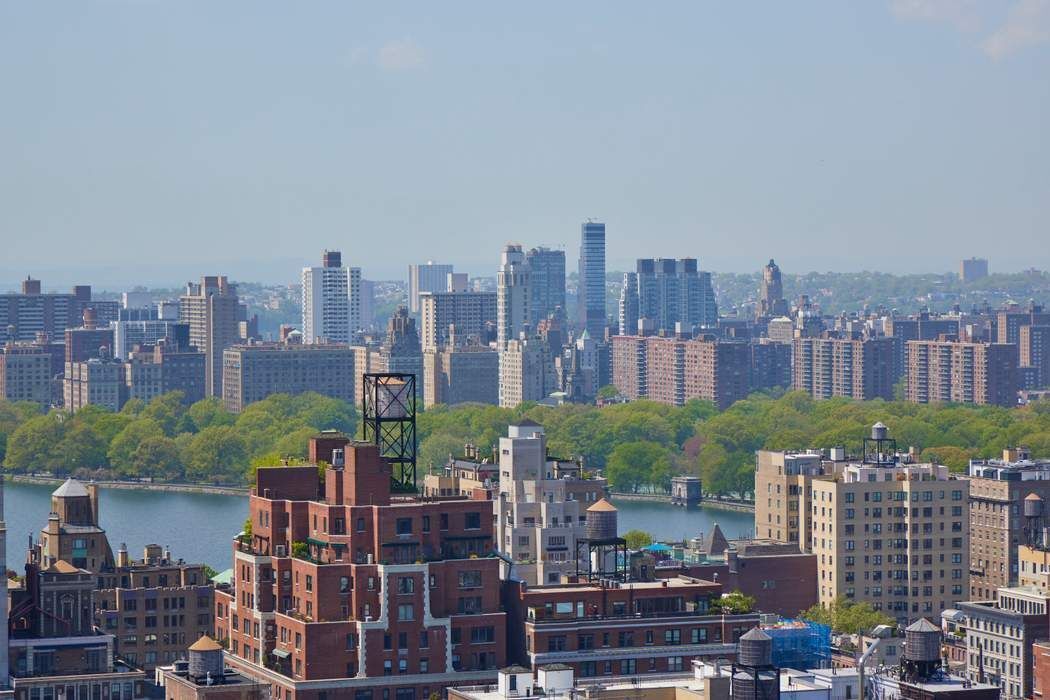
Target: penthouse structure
[[254, 371], [888, 531], [341, 587], [542, 506], [941, 371], [674, 370], [827, 367], [1003, 494]]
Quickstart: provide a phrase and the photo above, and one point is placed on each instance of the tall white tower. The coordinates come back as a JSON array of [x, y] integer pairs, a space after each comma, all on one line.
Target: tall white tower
[[512, 295], [326, 301]]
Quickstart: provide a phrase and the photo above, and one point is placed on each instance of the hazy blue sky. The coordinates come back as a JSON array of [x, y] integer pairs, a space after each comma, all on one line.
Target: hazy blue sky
[[154, 140]]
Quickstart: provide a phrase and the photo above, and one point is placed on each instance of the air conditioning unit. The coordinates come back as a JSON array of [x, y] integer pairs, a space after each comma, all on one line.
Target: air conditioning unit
[[279, 550]]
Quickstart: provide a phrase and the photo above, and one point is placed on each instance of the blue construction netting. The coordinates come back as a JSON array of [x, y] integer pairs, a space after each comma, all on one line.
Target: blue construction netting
[[800, 644]]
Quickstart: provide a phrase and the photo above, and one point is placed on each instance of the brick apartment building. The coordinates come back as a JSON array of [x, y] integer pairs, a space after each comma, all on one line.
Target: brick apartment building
[[674, 370], [341, 587], [620, 628], [948, 370], [858, 369]]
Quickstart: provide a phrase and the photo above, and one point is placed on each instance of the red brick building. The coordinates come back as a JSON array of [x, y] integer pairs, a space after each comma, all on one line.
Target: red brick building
[[341, 588], [620, 629]]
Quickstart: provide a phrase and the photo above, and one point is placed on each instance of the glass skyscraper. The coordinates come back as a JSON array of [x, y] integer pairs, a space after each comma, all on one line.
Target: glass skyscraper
[[591, 295]]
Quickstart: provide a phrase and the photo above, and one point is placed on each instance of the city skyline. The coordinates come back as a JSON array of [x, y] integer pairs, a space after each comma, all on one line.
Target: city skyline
[[827, 136]]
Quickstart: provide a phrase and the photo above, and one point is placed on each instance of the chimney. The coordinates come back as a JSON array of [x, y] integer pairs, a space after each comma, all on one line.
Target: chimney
[[122, 555]]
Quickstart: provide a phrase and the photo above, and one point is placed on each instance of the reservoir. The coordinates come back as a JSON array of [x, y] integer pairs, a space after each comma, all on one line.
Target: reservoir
[[199, 527]]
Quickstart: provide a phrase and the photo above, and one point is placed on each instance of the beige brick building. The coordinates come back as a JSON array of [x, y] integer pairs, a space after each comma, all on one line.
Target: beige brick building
[[886, 530]]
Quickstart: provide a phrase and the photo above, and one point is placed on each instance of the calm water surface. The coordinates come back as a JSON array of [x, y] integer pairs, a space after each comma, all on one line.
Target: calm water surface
[[199, 527]]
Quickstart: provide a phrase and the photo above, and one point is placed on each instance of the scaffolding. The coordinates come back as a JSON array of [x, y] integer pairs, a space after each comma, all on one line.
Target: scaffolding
[[800, 644]]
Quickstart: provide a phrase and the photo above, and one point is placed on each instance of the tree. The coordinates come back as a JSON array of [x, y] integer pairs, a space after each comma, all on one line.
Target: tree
[[31, 445], [847, 617], [735, 603], [633, 464], [122, 449], [636, 539], [157, 456], [216, 454], [167, 409], [82, 449], [209, 412], [609, 391]]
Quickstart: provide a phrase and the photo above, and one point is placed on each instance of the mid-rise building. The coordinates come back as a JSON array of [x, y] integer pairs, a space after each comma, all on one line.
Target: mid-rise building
[[999, 638], [973, 269], [526, 371], [343, 589], [32, 311], [127, 334], [546, 283], [542, 507], [674, 370], [402, 351], [100, 381], [962, 372], [326, 301], [253, 372], [26, 373], [999, 493], [472, 314], [89, 340], [460, 373], [212, 310], [889, 531], [590, 295], [431, 277], [770, 364], [1010, 320], [858, 369]]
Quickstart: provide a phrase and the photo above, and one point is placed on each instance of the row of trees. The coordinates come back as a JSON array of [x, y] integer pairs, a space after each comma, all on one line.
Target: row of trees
[[165, 439], [639, 445]]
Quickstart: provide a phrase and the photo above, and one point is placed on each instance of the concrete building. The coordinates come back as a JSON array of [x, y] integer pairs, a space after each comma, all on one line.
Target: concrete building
[[858, 369], [888, 531], [1034, 342], [590, 313], [771, 364], [401, 351], [129, 333], [460, 373], [973, 269], [89, 340], [98, 381], [542, 507], [674, 370], [1010, 320], [212, 310], [674, 294], [999, 637], [546, 283], [923, 326], [26, 373], [150, 606], [431, 277], [472, 314], [350, 590], [999, 490], [326, 301], [513, 295], [32, 311], [253, 372], [941, 371], [526, 372]]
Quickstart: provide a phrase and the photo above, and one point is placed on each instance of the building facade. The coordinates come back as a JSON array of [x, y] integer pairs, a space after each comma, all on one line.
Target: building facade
[[546, 283], [431, 277], [590, 313], [253, 372], [26, 373], [942, 371], [858, 369], [212, 310], [326, 301], [458, 373], [999, 637], [471, 313]]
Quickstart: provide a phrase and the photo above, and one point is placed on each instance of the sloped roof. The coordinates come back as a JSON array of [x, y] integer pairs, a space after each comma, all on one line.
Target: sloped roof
[[70, 489], [602, 506], [922, 625], [714, 542], [62, 567], [755, 634], [206, 643]]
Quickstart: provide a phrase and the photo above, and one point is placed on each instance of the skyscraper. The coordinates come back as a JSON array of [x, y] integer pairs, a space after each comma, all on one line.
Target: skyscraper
[[671, 292], [771, 301], [512, 295], [426, 278], [356, 304], [211, 309], [591, 295], [326, 301], [629, 304], [546, 281]]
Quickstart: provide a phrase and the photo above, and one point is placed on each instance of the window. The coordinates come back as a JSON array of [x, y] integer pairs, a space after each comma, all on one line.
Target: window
[[360, 524], [406, 585], [470, 579], [309, 582], [404, 526], [405, 612], [473, 521], [426, 523], [672, 637], [482, 635], [556, 643], [344, 584]]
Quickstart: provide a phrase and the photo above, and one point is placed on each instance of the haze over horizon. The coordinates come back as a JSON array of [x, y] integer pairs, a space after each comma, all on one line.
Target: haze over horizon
[[148, 143]]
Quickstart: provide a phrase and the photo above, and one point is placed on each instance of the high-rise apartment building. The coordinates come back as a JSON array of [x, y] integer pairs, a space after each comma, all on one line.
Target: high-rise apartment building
[[513, 295], [770, 364], [326, 301], [888, 531], [253, 372], [999, 489], [858, 369], [590, 314], [100, 381], [33, 311], [961, 372], [1035, 351], [546, 283], [526, 371], [973, 269], [1009, 321], [212, 310], [431, 277], [542, 507], [674, 294], [675, 370], [379, 595], [402, 351], [771, 302], [152, 370], [923, 326], [128, 333], [472, 314], [460, 373]]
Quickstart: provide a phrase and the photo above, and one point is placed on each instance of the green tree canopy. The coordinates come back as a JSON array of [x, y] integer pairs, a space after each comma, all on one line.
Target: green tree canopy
[[847, 617], [636, 539]]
